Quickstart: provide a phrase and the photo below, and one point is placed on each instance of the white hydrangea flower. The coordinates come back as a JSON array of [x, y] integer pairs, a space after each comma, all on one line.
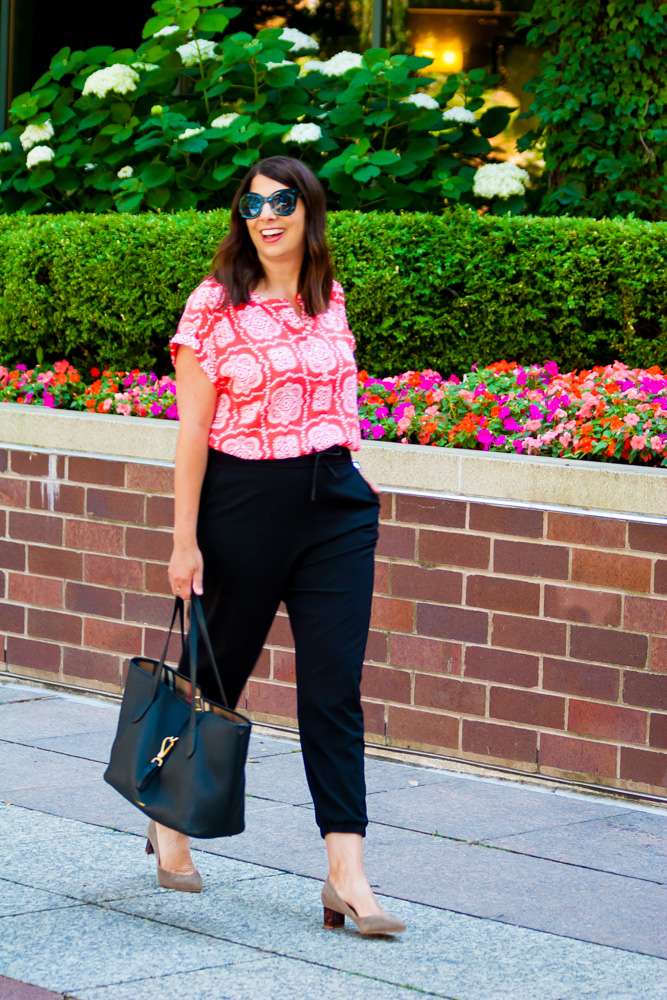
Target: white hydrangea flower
[[189, 132], [336, 66], [124, 173], [422, 101], [39, 154], [119, 79], [5, 147], [198, 48], [300, 41], [89, 166], [143, 67], [303, 133], [222, 121], [285, 62], [500, 180], [169, 30], [36, 133], [157, 110], [459, 114]]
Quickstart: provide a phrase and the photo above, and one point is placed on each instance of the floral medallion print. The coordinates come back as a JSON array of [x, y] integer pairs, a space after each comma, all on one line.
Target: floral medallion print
[[274, 371]]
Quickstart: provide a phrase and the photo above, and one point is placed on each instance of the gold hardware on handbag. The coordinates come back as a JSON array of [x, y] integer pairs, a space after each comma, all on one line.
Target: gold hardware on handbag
[[167, 744]]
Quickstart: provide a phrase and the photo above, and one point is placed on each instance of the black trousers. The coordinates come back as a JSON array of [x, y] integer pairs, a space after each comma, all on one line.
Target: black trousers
[[303, 531]]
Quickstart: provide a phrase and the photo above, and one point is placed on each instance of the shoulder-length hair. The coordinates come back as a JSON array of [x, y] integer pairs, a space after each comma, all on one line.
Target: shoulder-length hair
[[236, 265]]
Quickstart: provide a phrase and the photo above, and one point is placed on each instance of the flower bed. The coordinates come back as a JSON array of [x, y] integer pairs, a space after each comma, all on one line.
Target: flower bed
[[609, 413]]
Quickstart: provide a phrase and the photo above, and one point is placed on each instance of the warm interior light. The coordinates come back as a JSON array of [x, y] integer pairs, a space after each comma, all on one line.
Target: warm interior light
[[450, 57], [446, 52]]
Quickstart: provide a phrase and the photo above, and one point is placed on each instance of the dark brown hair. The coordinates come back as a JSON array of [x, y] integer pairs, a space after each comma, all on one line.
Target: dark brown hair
[[236, 265]]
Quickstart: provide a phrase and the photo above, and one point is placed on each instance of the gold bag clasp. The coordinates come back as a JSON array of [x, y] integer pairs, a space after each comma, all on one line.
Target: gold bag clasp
[[167, 744]]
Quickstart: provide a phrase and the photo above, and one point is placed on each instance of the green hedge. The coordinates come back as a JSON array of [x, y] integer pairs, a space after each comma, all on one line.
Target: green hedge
[[423, 291]]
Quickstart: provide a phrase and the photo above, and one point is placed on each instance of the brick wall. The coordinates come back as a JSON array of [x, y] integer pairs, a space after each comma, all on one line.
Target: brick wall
[[509, 635]]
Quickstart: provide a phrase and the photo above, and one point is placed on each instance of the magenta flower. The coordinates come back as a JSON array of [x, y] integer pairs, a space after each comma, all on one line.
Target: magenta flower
[[378, 431], [48, 400]]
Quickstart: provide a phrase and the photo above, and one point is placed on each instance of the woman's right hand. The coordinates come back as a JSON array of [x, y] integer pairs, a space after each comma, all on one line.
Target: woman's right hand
[[186, 571]]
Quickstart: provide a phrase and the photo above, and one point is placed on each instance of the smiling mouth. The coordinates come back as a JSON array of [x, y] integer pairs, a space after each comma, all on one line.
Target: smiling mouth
[[271, 235]]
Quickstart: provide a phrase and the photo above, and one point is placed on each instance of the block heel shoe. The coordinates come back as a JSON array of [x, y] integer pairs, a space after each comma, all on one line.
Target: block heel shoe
[[336, 909], [190, 882]]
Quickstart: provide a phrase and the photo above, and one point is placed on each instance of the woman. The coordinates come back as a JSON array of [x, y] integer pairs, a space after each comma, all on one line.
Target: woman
[[269, 506]]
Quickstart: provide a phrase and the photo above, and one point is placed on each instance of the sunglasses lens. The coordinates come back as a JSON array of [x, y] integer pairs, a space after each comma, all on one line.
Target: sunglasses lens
[[284, 202], [250, 206]]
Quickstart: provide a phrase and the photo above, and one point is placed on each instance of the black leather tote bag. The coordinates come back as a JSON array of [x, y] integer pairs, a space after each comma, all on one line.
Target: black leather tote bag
[[177, 756]]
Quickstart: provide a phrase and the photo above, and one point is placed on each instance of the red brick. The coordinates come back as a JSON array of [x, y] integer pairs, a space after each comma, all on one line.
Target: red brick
[[415, 728], [647, 537], [608, 646], [585, 680], [62, 563], [63, 499], [280, 633], [12, 618], [575, 604], [91, 600], [577, 756], [373, 717], [42, 591], [645, 614], [117, 636], [35, 527], [157, 581], [3, 522], [386, 506], [644, 767], [150, 478], [450, 694], [36, 655], [262, 667], [487, 664], [3, 583], [54, 625], [586, 529], [449, 548], [658, 659], [430, 510], [31, 463], [284, 666], [148, 543], [646, 690], [506, 520], [658, 732], [148, 609], [113, 571], [13, 492], [452, 623], [392, 614], [386, 684], [501, 742], [160, 511], [532, 707], [154, 643], [532, 634], [396, 541], [660, 577], [549, 562], [94, 537], [91, 665], [613, 722], [426, 584], [12, 555], [102, 472], [500, 594], [611, 569], [381, 580], [272, 699], [116, 505], [4, 456], [376, 646], [429, 656]]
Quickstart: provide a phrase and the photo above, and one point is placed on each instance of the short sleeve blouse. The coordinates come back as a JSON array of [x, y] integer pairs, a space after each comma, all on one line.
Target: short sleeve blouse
[[286, 384]]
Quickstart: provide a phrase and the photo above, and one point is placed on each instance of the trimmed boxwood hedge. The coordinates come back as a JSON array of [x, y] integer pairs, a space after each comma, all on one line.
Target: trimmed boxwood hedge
[[423, 291]]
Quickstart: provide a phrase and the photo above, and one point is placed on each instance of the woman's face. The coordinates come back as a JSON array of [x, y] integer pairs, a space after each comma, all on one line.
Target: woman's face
[[277, 237]]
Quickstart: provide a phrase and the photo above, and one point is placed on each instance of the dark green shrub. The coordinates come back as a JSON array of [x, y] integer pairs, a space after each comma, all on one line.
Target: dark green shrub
[[423, 291]]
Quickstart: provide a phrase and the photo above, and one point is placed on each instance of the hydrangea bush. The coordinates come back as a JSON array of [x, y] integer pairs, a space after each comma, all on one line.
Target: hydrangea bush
[[608, 413], [177, 122]]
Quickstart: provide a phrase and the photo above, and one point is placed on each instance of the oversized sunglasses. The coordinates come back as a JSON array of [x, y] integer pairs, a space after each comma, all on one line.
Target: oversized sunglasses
[[282, 202]]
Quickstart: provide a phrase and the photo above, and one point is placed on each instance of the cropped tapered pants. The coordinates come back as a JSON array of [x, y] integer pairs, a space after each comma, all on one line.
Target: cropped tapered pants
[[303, 531]]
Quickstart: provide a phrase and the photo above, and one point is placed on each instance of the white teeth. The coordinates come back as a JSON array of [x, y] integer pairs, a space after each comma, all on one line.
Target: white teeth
[[271, 232]]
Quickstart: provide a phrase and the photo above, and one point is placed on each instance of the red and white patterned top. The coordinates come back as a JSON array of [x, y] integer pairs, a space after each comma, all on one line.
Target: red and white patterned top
[[286, 384]]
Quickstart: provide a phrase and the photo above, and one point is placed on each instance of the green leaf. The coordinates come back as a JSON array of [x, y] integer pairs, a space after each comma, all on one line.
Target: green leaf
[[67, 179], [130, 202], [195, 144], [592, 120], [212, 20], [379, 117], [40, 177], [494, 121], [383, 157], [365, 173], [155, 174], [224, 171], [154, 24], [98, 53], [245, 157], [186, 20], [93, 120], [158, 197]]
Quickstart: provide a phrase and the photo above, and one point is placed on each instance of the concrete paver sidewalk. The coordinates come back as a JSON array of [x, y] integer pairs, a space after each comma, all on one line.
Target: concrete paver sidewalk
[[510, 891]]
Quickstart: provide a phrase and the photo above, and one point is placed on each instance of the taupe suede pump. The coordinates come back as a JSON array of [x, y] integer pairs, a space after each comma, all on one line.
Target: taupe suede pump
[[190, 882], [336, 909]]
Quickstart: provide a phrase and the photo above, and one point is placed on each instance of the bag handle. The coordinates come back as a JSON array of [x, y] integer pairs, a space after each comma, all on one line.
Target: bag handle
[[157, 673], [198, 624], [201, 623]]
